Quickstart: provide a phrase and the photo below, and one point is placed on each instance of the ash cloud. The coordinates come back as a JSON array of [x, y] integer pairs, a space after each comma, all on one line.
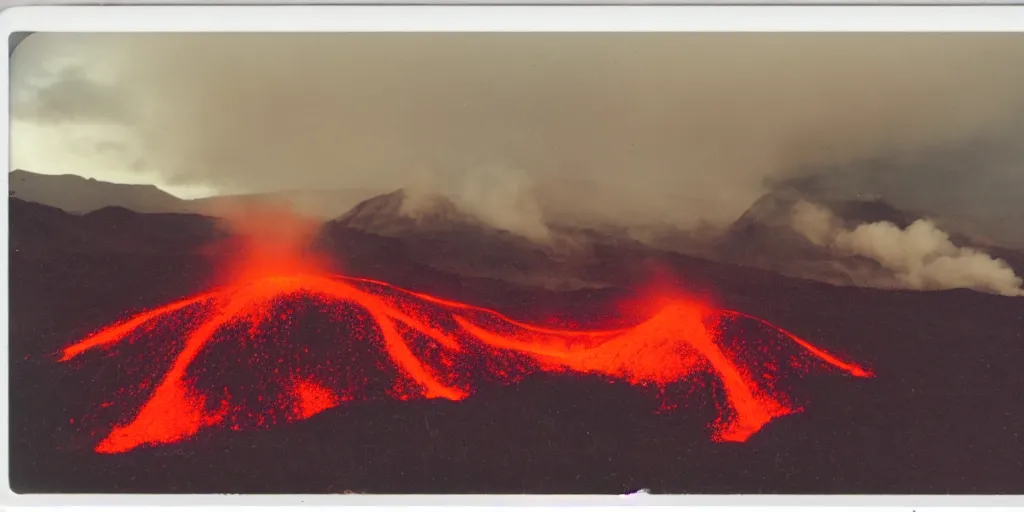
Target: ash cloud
[[626, 128], [920, 256]]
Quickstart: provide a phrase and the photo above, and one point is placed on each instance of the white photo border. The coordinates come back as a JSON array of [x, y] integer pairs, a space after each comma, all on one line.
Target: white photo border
[[462, 18]]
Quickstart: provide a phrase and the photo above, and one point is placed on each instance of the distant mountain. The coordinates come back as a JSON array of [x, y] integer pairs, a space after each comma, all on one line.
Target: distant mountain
[[399, 213], [765, 237], [76, 194], [443, 236], [41, 230], [764, 233]]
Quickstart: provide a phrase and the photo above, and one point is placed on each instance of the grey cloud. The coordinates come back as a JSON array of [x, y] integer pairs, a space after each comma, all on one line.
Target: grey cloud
[[69, 95], [140, 165], [633, 127], [111, 146]]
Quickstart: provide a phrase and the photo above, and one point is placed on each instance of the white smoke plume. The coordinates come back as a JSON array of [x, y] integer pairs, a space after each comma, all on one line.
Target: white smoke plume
[[920, 257], [500, 197]]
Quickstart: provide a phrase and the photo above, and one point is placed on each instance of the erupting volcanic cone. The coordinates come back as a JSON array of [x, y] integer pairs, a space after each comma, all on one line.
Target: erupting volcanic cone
[[423, 347]]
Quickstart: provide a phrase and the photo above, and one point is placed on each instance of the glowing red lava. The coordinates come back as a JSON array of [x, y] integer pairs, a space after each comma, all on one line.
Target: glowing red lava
[[426, 347], [677, 342]]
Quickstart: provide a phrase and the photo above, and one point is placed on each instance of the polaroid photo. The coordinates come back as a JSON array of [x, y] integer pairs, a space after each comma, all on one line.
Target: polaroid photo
[[433, 254]]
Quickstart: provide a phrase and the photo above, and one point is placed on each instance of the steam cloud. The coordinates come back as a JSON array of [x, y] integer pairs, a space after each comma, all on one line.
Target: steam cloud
[[920, 257], [264, 237], [498, 196], [630, 128]]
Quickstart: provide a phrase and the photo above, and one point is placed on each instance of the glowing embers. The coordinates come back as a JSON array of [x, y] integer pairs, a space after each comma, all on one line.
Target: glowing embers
[[285, 348], [311, 399]]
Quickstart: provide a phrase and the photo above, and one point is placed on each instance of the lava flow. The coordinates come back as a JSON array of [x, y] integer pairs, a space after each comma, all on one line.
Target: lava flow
[[422, 346]]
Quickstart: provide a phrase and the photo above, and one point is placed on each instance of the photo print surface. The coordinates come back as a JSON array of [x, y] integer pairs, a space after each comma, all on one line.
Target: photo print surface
[[517, 263]]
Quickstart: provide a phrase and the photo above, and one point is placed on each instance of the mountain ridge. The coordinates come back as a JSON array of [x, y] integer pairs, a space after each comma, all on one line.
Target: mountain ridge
[[443, 234], [77, 194]]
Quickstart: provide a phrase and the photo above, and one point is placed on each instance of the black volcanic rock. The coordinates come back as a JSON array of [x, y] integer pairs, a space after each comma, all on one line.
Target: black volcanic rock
[[36, 228], [39, 229], [940, 417]]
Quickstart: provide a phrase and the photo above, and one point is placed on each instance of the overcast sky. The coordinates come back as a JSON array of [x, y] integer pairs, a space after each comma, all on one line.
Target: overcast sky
[[668, 126]]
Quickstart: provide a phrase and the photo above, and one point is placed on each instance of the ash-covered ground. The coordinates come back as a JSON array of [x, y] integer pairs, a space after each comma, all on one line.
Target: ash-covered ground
[[942, 414]]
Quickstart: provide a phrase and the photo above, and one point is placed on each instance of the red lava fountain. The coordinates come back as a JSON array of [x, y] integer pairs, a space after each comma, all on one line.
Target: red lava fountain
[[434, 348]]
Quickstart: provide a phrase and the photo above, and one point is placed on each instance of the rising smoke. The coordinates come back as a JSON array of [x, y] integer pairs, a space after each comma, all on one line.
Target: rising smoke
[[920, 257], [631, 128], [500, 197], [528, 131]]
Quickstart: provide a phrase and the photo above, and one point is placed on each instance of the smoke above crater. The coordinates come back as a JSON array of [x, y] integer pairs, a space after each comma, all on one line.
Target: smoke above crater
[[501, 197], [920, 256]]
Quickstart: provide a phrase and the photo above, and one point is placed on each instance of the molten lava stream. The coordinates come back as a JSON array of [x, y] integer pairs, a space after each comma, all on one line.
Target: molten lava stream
[[437, 349]]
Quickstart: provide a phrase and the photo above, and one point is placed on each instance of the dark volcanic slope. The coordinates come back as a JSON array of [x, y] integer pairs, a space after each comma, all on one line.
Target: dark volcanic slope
[[433, 232], [40, 229], [942, 416]]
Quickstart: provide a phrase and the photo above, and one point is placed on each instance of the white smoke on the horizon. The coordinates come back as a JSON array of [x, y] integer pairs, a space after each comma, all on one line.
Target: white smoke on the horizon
[[499, 196], [920, 257]]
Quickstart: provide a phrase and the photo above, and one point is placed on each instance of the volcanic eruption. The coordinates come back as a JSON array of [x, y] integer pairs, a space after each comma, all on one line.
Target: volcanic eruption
[[283, 338]]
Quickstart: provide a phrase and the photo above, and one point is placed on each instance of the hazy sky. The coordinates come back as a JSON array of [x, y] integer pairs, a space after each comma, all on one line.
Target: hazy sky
[[669, 126]]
